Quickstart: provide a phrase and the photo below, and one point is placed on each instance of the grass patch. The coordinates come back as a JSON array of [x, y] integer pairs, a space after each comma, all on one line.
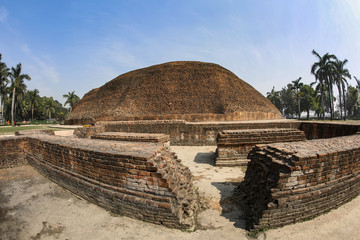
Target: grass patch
[[12, 130]]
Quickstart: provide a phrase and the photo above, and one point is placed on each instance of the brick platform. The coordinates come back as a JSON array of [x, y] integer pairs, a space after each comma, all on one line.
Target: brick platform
[[137, 179], [133, 137], [233, 146], [291, 182]]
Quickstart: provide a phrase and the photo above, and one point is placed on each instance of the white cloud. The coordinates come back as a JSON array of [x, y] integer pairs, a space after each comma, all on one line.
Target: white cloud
[[3, 14]]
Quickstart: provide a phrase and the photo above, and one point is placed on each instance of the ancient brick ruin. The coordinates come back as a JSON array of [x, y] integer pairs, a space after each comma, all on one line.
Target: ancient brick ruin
[[136, 175], [291, 182], [122, 162], [143, 180], [233, 146], [184, 90]]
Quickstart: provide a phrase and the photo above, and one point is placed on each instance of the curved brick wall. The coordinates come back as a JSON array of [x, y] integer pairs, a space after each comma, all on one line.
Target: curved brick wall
[[137, 179], [290, 182]]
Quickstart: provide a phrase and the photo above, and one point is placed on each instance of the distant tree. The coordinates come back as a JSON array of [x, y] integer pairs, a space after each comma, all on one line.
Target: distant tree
[[352, 102], [297, 87], [49, 106], [357, 83], [17, 81], [4, 74], [323, 71], [288, 100], [71, 99], [308, 101], [341, 73], [33, 98], [274, 97]]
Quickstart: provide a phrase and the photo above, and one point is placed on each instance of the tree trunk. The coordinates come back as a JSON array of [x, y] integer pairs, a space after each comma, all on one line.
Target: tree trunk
[[2, 110], [32, 113], [299, 106], [323, 105], [12, 107], [308, 115], [340, 100], [343, 95]]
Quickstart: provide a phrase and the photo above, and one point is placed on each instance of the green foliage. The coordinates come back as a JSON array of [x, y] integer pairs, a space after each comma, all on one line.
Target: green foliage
[[328, 71], [71, 99], [20, 104]]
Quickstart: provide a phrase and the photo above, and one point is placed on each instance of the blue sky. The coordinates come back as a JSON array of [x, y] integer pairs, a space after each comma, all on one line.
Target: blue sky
[[80, 45]]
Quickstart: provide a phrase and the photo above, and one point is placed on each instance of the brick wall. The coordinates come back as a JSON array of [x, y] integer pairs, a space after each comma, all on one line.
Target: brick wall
[[133, 137], [12, 151], [206, 117], [190, 133], [318, 130], [290, 182], [233, 146], [136, 179]]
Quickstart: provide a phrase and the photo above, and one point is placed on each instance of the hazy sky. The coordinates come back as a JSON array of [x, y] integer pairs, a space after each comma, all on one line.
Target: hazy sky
[[80, 45]]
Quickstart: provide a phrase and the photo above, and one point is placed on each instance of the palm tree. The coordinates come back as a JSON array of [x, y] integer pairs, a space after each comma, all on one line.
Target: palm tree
[[357, 83], [33, 101], [49, 107], [72, 98], [297, 85], [341, 74], [4, 73], [274, 97], [323, 71], [17, 81]]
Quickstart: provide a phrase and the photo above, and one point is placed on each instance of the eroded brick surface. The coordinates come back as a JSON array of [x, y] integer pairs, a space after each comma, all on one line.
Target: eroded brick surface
[[189, 133], [12, 152], [233, 146], [132, 137], [290, 182]]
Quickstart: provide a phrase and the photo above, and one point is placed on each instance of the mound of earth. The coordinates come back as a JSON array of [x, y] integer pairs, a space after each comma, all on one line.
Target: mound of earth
[[193, 91]]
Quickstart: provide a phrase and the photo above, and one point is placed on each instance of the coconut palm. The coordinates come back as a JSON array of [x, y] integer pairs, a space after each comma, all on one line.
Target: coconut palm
[[72, 98], [274, 97], [49, 106], [297, 85], [357, 83], [4, 73], [33, 101], [17, 81], [341, 73], [323, 71]]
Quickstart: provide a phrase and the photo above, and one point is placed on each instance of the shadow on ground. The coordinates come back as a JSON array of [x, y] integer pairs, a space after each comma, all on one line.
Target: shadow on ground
[[230, 205], [205, 158]]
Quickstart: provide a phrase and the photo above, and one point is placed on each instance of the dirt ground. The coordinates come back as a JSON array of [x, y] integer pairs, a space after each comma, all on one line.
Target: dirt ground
[[33, 207]]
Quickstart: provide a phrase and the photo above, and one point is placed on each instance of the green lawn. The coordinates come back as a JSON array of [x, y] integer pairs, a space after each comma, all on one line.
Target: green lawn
[[9, 130]]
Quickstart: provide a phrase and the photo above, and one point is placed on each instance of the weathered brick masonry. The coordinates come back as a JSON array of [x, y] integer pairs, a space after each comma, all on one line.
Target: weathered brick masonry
[[133, 137], [12, 151], [318, 130], [189, 133], [138, 179], [290, 182], [233, 146]]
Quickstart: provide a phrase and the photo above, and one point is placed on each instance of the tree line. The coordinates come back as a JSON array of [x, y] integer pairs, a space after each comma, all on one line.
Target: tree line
[[19, 104], [318, 98]]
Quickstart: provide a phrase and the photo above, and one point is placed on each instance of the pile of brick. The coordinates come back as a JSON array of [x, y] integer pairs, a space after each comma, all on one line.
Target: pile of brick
[[291, 182], [233, 146]]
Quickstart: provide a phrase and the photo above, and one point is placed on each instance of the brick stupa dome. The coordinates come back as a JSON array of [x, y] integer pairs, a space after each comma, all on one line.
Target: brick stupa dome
[[193, 91]]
